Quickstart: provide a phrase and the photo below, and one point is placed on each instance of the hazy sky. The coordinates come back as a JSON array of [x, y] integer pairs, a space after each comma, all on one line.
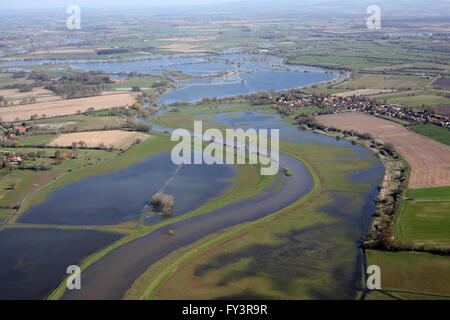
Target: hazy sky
[[4, 4]]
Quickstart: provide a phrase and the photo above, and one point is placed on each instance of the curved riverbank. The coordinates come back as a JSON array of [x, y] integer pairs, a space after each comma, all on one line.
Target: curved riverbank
[[111, 276], [145, 289]]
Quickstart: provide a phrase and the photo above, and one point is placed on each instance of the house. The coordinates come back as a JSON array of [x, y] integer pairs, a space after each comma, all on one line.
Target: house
[[15, 160], [21, 129], [119, 80]]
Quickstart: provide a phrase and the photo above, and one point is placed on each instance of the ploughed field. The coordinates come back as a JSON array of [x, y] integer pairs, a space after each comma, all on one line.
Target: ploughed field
[[117, 139], [429, 160], [65, 107]]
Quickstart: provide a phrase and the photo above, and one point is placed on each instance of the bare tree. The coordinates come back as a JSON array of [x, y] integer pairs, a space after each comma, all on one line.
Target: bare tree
[[162, 202]]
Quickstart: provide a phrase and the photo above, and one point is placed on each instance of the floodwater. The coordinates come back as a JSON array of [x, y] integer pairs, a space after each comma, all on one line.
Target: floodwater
[[342, 257], [120, 196], [34, 261], [247, 83], [123, 265], [336, 244]]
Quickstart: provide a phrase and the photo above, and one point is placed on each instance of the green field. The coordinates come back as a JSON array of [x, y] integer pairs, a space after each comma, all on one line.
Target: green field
[[416, 100], [429, 193], [407, 272], [307, 110], [7, 79], [424, 222], [147, 82], [375, 81], [80, 122], [439, 134], [37, 140]]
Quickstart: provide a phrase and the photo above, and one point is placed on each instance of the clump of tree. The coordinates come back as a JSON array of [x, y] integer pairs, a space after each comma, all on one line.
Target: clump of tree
[[287, 172], [74, 90], [143, 127], [79, 85], [161, 83], [389, 148], [27, 88], [162, 202]]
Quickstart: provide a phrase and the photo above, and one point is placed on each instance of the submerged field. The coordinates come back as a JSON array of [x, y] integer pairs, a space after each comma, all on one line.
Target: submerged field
[[304, 251]]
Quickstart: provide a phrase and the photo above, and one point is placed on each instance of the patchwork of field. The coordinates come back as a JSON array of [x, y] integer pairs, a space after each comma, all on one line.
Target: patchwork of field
[[429, 160], [65, 107], [116, 139]]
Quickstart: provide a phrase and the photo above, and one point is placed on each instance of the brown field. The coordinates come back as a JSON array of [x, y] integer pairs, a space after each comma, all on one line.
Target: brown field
[[190, 39], [429, 160], [442, 82], [65, 107], [16, 94], [62, 51], [443, 110], [117, 139], [181, 47], [362, 92]]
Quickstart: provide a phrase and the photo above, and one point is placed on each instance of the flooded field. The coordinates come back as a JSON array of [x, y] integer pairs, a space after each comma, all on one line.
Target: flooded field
[[120, 196], [34, 261]]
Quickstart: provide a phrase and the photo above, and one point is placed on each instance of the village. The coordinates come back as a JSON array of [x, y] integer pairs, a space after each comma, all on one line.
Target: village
[[287, 104]]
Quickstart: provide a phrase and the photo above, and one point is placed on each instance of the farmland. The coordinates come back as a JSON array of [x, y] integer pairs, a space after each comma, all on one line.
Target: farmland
[[109, 139], [65, 107], [428, 159], [436, 133], [424, 222], [411, 275], [416, 100]]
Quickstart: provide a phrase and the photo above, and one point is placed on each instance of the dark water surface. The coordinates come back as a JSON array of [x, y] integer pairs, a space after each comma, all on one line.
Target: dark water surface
[[34, 261], [120, 196]]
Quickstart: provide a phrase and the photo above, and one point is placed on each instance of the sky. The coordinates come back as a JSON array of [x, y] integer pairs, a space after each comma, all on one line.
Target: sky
[[31, 4]]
